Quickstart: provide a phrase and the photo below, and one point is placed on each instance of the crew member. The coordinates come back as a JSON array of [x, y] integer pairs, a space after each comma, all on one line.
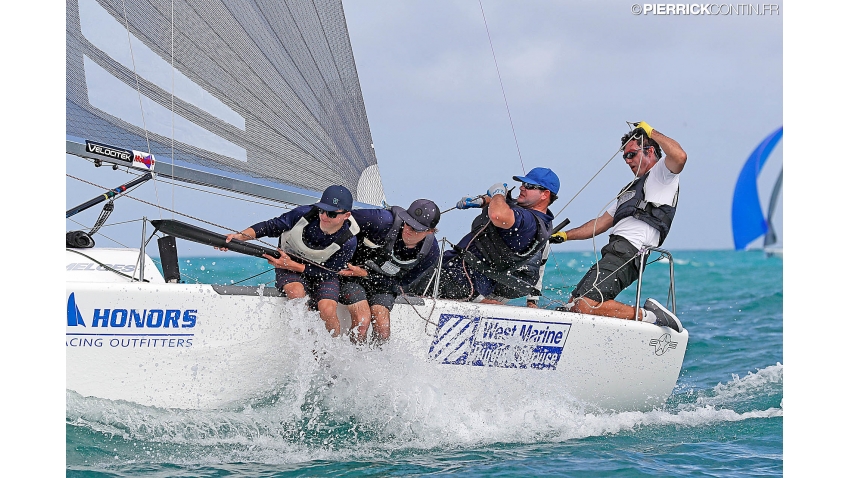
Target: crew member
[[316, 242], [396, 252], [508, 236], [641, 217]]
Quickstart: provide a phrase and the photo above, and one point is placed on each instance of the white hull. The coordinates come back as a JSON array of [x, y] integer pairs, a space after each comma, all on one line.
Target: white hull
[[200, 346]]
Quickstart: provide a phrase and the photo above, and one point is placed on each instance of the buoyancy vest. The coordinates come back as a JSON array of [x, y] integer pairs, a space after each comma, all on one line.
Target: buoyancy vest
[[292, 241], [498, 259], [632, 203], [381, 258]]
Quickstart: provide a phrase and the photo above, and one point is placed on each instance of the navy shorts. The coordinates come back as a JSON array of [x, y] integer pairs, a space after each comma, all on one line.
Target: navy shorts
[[353, 290], [618, 269], [317, 287]]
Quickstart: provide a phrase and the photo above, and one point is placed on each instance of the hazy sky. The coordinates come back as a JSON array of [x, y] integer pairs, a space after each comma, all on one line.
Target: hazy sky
[[573, 74]]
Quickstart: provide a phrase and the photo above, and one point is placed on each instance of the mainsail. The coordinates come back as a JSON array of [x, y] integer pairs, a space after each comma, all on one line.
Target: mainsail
[[748, 221], [259, 90]]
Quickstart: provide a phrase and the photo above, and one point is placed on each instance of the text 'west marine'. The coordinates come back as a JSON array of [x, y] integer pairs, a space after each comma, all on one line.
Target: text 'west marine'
[[496, 330]]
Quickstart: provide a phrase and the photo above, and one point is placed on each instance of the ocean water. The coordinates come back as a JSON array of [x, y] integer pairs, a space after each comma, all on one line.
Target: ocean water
[[724, 418]]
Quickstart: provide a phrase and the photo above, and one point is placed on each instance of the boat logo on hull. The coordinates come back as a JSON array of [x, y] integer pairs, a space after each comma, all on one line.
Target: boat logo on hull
[[662, 344], [74, 317], [498, 342], [132, 318]]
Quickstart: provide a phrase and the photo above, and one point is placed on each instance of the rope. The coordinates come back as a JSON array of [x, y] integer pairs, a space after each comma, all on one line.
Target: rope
[[499, 74]]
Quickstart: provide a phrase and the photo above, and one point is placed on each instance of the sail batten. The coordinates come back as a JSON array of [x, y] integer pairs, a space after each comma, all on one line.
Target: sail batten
[[264, 89]]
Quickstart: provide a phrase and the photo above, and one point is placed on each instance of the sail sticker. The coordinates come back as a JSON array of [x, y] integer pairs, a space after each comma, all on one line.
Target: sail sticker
[[143, 160], [498, 342], [110, 152]]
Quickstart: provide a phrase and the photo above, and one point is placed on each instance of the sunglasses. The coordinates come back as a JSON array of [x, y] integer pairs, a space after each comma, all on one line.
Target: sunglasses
[[533, 186], [632, 154], [331, 214]]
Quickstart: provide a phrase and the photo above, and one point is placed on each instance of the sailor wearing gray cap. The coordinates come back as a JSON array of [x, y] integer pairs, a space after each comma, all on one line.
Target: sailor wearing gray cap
[[396, 251]]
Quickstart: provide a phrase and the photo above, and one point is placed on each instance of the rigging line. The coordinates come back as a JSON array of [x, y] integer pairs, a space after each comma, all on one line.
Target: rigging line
[[255, 275], [594, 177], [499, 74], [595, 221], [165, 208], [136, 75], [178, 184], [139, 93], [172, 105], [98, 232]]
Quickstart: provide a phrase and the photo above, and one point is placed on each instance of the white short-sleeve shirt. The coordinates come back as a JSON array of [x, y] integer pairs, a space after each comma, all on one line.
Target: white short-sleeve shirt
[[661, 187]]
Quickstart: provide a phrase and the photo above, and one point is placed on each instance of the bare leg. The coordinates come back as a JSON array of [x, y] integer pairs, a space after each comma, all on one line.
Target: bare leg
[[327, 311], [609, 308], [380, 323], [490, 301], [294, 290], [360, 318]]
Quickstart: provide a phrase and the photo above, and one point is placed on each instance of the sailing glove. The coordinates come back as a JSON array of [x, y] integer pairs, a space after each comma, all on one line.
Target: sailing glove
[[558, 238], [498, 188], [645, 127], [467, 202]]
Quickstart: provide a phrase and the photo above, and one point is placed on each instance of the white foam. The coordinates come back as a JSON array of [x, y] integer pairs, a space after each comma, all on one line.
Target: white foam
[[358, 403]]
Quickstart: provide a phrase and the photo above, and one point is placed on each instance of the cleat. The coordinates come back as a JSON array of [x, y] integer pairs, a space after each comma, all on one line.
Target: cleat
[[664, 318]]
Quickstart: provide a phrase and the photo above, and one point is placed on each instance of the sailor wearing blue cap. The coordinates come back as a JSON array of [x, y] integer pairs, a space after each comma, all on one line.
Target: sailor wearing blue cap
[[316, 242], [506, 238]]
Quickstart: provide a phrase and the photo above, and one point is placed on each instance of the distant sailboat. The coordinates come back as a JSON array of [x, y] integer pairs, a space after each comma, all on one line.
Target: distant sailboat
[[748, 221]]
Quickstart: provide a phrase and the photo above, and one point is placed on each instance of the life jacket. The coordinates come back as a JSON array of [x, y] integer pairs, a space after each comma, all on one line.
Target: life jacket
[[381, 258], [292, 241], [632, 203], [498, 260]]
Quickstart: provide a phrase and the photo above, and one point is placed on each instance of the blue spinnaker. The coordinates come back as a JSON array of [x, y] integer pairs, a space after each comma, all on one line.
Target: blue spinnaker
[[748, 221]]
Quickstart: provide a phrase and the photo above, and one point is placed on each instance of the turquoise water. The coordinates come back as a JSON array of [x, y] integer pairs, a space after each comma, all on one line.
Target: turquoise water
[[724, 418]]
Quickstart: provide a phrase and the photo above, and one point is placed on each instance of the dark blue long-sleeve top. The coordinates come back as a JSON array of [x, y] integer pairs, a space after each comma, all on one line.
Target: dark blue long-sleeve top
[[313, 237], [518, 237], [375, 224]]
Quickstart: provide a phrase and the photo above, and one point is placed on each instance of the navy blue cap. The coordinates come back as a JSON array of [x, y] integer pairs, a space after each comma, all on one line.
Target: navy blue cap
[[335, 198], [422, 215], [541, 177]]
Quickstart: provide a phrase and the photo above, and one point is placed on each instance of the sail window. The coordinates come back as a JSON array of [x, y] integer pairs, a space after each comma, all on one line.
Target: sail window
[[112, 96], [110, 36]]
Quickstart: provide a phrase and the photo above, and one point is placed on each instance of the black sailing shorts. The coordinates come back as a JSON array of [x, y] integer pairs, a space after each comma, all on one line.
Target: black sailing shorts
[[609, 283], [356, 289]]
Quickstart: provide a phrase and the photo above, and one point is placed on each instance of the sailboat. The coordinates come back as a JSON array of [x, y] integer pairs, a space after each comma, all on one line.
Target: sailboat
[[262, 98], [748, 221]]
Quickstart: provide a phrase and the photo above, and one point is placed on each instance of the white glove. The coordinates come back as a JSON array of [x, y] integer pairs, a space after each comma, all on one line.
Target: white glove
[[467, 202], [498, 188]]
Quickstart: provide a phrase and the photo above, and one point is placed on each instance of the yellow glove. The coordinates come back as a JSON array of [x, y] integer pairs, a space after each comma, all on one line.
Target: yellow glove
[[558, 237], [645, 127]]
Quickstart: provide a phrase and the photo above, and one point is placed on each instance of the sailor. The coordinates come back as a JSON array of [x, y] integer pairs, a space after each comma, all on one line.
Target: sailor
[[641, 216], [507, 238], [316, 242], [396, 253]]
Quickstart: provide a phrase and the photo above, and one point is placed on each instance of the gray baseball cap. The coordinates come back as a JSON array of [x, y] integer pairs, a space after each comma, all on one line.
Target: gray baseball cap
[[422, 215]]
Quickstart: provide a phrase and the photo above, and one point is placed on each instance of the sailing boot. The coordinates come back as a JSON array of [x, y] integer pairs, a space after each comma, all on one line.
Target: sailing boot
[[663, 317]]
